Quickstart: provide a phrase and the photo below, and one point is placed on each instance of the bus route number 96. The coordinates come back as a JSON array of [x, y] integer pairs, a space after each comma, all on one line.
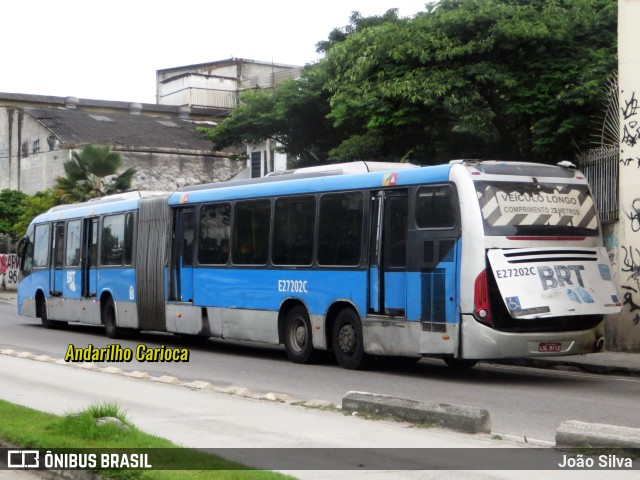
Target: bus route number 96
[[515, 272], [292, 286]]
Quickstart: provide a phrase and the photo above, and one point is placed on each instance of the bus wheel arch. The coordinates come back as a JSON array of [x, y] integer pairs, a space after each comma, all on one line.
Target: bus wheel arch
[[347, 341], [108, 316]]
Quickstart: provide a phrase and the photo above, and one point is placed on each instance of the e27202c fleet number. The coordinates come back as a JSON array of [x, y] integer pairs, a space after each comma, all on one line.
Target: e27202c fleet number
[[515, 272], [292, 286]]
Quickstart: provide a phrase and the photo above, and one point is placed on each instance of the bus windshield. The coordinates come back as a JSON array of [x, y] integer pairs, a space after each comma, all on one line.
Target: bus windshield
[[536, 208]]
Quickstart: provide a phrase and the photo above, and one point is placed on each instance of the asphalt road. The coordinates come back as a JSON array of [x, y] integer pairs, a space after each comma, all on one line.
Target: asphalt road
[[522, 401]]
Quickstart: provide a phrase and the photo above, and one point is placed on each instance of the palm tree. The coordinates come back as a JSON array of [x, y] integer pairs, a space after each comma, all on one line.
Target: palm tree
[[86, 173]]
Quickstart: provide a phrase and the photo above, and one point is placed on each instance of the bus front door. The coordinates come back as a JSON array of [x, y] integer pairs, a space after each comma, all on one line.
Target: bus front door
[[89, 260], [182, 256], [388, 267]]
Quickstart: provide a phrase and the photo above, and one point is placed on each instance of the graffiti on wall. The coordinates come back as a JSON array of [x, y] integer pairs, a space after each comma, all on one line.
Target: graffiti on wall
[[634, 215], [9, 271], [631, 267], [630, 121]]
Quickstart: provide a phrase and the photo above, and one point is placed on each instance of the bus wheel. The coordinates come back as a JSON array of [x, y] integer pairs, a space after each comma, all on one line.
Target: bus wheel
[[298, 337], [42, 313], [459, 363], [109, 319], [348, 345]]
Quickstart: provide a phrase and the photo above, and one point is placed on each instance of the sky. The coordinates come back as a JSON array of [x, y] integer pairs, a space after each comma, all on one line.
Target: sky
[[111, 50]]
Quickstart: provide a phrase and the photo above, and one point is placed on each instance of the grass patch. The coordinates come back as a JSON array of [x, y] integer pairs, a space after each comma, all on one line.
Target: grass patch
[[28, 428], [331, 407]]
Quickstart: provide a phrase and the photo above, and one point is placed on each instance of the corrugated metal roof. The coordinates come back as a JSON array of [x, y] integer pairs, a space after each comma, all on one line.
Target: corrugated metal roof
[[78, 127]]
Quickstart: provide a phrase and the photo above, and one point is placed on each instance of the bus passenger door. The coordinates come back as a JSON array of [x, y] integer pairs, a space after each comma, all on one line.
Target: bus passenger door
[[388, 270], [182, 255], [89, 261], [57, 260]]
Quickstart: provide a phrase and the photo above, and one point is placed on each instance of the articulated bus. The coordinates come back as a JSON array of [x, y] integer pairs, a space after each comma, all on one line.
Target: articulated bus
[[467, 261]]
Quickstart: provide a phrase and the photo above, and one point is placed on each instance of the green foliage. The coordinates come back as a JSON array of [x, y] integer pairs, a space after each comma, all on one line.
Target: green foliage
[[31, 207], [478, 78], [10, 209], [294, 114], [30, 428], [86, 173], [465, 78]]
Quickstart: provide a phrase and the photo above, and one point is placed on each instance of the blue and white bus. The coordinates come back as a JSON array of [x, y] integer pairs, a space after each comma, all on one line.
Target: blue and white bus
[[467, 261]]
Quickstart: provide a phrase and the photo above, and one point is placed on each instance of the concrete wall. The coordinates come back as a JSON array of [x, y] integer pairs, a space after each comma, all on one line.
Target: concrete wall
[[170, 171], [625, 330], [22, 169]]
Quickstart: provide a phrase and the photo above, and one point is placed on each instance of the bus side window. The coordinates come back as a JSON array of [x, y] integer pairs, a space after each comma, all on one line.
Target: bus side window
[[112, 240], [293, 225], [41, 240], [435, 208], [340, 229], [251, 220], [213, 248]]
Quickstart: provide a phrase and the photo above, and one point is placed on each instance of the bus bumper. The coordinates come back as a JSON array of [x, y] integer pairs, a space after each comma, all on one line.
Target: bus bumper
[[482, 342]]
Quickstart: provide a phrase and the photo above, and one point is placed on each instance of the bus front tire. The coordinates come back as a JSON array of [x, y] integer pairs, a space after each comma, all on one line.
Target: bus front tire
[[347, 341], [298, 336], [111, 330]]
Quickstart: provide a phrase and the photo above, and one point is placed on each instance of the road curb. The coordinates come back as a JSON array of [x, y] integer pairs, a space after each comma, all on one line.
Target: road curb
[[454, 417], [555, 363], [573, 433]]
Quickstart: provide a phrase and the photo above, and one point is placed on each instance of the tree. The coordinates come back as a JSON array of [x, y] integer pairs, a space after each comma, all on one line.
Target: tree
[[31, 207], [510, 79], [91, 174], [10, 209], [481, 78], [294, 115]]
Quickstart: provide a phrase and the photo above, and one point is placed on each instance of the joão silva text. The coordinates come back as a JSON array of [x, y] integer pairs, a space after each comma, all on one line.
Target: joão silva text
[[602, 461], [116, 353]]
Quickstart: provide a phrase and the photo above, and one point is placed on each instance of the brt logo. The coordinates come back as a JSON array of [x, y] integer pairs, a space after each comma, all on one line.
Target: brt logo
[[560, 275]]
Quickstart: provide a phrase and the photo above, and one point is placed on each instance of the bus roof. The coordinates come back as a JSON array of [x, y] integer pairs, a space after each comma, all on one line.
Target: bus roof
[[120, 202], [310, 183]]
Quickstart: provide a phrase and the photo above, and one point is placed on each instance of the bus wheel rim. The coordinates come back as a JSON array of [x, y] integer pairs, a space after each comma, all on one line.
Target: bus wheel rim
[[347, 339], [298, 335]]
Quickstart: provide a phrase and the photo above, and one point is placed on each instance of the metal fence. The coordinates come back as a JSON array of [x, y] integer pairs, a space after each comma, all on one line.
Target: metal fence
[[600, 167]]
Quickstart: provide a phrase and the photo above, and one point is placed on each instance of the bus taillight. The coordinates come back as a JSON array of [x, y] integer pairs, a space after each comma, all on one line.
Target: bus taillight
[[481, 299]]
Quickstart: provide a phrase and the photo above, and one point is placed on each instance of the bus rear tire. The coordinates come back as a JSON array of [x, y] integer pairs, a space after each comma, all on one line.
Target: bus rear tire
[[298, 336], [111, 329], [347, 341], [459, 363]]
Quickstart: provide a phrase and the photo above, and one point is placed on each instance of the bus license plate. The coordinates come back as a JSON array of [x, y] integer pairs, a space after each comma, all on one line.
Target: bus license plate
[[549, 347]]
